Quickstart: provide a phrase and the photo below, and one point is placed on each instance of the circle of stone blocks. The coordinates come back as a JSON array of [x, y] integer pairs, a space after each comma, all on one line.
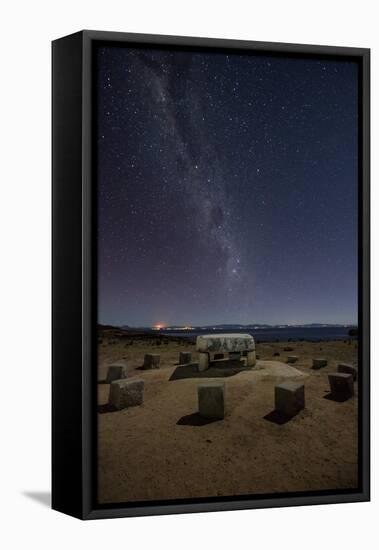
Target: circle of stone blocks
[[289, 398], [211, 400], [116, 372], [126, 393], [348, 369], [319, 363], [151, 361], [185, 357], [341, 385], [291, 359]]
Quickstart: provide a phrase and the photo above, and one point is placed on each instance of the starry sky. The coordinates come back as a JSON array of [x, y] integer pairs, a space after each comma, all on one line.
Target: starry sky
[[227, 188]]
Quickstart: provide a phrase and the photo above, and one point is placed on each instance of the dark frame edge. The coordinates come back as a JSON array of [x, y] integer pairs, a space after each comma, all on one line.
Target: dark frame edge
[[67, 420], [365, 282]]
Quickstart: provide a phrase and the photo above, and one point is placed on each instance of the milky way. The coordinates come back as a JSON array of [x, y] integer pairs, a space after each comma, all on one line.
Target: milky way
[[227, 188]]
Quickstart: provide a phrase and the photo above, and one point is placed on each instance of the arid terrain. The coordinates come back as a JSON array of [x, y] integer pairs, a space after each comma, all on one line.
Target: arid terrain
[[164, 450]]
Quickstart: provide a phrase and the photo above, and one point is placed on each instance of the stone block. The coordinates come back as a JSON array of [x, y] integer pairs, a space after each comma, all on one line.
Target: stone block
[[289, 398], [348, 369], [291, 359], [126, 393], [151, 361], [235, 355], [203, 361], [185, 357], [319, 363], [211, 400], [116, 372], [341, 385]]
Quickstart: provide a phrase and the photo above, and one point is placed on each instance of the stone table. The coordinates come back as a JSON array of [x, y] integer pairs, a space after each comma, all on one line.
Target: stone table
[[209, 345]]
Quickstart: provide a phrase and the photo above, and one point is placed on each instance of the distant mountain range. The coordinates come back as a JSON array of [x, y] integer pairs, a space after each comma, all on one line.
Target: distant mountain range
[[255, 326]]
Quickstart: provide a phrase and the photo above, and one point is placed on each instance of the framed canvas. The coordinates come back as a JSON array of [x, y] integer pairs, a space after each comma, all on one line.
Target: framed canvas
[[210, 275]]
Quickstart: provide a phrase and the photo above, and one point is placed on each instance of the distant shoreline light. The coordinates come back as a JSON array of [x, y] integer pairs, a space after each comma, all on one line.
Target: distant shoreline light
[[163, 327], [255, 327]]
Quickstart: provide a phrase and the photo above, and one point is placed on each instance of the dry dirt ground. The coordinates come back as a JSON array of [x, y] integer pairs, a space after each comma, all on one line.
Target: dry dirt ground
[[163, 450]]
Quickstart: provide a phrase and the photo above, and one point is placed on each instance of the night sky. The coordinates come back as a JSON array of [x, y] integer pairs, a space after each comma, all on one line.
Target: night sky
[[227, 188]]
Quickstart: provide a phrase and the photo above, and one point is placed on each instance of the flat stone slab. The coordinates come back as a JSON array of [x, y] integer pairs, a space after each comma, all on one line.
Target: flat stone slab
[[151, 361], [211, 400], [348, 369], [126, 393], [319, 363], [185, 357], [341, 385], [225, 343], [291, 359], [289, 398], [116, 372]]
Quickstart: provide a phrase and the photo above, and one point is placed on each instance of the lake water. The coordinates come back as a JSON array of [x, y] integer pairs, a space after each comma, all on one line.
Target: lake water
[[312, 334]]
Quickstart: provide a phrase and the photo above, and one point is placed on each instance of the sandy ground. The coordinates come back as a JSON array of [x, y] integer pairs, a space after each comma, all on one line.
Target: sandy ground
[[164, 450]]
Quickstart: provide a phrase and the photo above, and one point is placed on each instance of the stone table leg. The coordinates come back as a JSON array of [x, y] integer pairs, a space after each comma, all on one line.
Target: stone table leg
[[203, 361], [251, 359]]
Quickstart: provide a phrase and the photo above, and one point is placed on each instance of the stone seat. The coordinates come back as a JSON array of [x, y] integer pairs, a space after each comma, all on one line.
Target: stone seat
[[185, 357], [116, 371], [126, 393], [348, 369], [211, 400], [319, 363], [151, 361], [289, 398], [341, 385], [212, 344]]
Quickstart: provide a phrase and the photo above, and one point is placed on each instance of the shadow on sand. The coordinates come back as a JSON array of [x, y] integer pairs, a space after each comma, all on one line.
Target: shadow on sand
[[217, 369], [278, 418], [195, 419], [337, 398], [106, 408]]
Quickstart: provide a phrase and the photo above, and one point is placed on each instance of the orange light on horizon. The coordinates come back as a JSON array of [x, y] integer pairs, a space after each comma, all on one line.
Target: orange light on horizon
[[158, 326]]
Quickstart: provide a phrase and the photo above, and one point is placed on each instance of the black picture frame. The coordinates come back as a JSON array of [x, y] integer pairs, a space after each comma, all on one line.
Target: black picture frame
[[74, 279]]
